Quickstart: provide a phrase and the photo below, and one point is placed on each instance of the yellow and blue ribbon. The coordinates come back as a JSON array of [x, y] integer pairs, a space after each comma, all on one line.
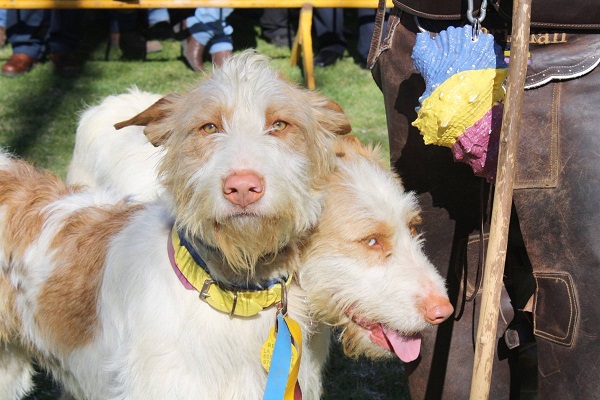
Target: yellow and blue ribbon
[[283, 372]]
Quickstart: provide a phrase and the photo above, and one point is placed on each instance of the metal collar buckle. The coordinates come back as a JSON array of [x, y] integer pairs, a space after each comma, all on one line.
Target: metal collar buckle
[[205, 295], [204, 292], [283, 305]]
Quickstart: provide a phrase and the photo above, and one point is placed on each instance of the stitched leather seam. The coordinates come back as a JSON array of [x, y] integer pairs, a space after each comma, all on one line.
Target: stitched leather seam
[[555, 25], [411, 10], [475, 240], [572, 314], [546, 334], [554, 141], [554, 67], [552, 175], [387, 42], [558, 25]]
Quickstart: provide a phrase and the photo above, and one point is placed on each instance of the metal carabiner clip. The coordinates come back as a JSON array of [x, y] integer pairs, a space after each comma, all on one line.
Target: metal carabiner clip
[[476, 21]]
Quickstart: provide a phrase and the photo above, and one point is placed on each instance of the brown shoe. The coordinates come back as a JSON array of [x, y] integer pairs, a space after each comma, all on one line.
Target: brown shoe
[[65, 64], [219, 58], [18, 64], [192, 51]]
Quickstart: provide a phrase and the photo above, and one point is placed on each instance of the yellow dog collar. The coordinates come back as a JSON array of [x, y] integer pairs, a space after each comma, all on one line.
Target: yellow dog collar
[[243, 303]]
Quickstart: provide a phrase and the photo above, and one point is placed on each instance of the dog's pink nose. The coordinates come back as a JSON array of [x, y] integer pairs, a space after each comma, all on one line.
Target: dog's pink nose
[[437, 309], [243, 188]]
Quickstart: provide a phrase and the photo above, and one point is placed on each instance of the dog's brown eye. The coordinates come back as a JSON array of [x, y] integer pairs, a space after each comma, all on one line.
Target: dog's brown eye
[[278, 126], [371, 242], [209, 128]]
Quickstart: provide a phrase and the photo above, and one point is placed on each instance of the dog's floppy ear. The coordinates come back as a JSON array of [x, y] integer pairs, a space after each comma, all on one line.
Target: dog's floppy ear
[[152, 119], [345, 146], [329, 114], [340, 123], [349, 146]]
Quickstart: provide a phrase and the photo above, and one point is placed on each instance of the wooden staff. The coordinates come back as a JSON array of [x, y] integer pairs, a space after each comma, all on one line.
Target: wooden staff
[[494, 266]]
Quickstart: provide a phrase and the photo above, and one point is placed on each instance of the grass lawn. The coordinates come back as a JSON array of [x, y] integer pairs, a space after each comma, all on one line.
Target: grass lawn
[[39, 113]]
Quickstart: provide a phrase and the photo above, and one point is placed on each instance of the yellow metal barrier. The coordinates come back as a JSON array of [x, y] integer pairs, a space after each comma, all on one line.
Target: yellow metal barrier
[[302, 44], [186, 3]]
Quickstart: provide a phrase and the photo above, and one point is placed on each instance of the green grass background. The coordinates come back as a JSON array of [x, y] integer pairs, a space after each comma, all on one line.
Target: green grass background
[[39, 113]]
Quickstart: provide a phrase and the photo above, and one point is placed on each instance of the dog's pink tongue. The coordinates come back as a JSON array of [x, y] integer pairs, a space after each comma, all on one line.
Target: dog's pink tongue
[[407, 348]]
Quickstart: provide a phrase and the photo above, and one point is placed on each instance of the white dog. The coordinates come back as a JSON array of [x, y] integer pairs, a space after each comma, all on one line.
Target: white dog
[[90, 288], [124, 161]]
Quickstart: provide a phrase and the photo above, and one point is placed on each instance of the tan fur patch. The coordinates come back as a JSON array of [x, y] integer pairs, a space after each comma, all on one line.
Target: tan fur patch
[[9, 322], [347, 147], [24, 192], [67, 301]]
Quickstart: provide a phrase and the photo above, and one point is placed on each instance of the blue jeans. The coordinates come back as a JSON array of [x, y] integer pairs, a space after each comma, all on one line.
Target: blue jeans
[[207, 26], [33, 32]]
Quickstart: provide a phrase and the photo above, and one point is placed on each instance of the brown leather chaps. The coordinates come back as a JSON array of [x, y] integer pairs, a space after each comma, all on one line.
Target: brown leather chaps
[[554, 242]]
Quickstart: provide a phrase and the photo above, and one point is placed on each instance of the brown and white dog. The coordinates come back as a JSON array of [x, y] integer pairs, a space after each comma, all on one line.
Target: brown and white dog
[[363, 268], [90, 289]]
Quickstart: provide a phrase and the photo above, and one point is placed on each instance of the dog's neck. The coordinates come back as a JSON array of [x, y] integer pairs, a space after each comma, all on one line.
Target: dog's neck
[[269, 268], [280, 269]]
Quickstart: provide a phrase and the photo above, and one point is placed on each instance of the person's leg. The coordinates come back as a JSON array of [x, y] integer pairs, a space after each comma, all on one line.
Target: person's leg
[[366, 23], [159, 24], [131, 40], [65, 31], [157, 15], [329, 30], [191, 48], [64, 36], [560, 220], [276, 27], [221, 44], [26, 31], [3, 13], [220, 49], [63, 40], [206, 25]]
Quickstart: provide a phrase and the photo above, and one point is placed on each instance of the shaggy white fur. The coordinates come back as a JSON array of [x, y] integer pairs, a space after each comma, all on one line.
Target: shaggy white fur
[[106, 158]]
